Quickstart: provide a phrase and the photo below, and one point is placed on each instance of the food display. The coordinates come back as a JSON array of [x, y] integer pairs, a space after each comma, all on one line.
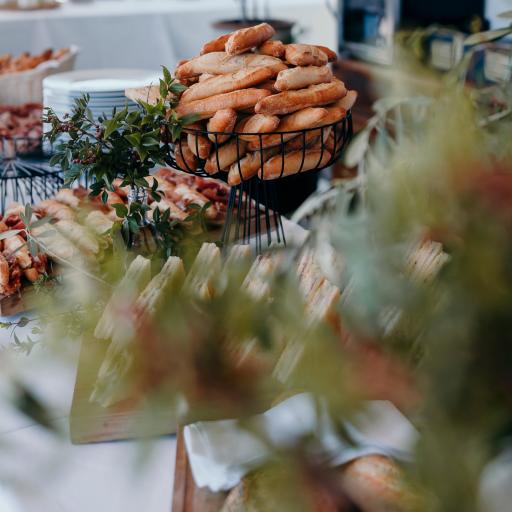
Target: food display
[[78, 223], [26, 61], [205, 279], [261, 107]]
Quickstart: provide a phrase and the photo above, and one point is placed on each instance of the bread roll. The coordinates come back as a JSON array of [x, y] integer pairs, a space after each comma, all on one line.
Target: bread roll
[[248, 166], [225, 156], [300, 77], [268, 85], [291, 101], [199, 144], [273, 49], [205, 76], [375, 483], [246, 38], [221, 84], [348, 101], [292, 163], [216, 45], [305, 55], [185, 159], [236, 100], [259, 123], [331, 54], [220, 63], [290, 125], [223, 121]]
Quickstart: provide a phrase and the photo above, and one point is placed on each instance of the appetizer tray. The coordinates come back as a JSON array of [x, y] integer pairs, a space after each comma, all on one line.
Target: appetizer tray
[[90, 422]]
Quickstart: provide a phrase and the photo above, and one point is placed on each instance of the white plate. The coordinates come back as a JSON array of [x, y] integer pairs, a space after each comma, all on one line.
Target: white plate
[[47, 100], [100, 80]]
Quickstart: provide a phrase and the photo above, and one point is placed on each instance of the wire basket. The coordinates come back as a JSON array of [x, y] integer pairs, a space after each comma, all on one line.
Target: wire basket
[[25, 176], [253, 164]]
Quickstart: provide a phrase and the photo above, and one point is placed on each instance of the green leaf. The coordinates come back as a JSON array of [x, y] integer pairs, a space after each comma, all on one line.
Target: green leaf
[[104, 197], [177, 88], [148, 141], [164, 91], [110, 127], [134, 139], [167, 75], [121, 210]]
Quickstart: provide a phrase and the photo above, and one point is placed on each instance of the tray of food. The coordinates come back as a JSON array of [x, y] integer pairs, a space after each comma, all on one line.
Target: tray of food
[[21, 76], [79, 223]]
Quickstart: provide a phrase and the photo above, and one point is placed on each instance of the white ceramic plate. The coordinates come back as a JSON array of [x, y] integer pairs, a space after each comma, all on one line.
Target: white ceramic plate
[[96, 81]]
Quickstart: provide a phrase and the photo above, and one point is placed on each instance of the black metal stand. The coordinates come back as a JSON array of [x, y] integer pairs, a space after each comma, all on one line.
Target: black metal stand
[[254, 210], [25, 176]]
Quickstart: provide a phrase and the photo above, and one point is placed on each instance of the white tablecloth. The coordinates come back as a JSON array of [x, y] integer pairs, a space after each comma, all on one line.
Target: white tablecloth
[[145, 33], [42, 472]]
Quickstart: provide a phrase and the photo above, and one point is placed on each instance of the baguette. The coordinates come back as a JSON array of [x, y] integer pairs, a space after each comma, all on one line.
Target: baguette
[[216, 45], [269, 85], [225, 156], [331, 54], [237, 100], [293, 163], [199, 144], [291, 101], [273, 49], [246, 38], [205, 76], [376, 483], [223, 121], [259, 123], [221, 84], [348, 101], [305, 55], [185, 159], [220, 63], [300, 77], [248, 166], [290, 125]]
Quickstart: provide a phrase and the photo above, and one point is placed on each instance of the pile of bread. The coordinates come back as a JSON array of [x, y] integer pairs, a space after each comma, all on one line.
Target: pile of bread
[[247, 83], [78, 223], [142, 297], [26, 61]]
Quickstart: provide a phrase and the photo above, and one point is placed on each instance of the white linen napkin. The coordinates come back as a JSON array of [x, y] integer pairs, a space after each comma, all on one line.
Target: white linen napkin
[[221, 453]]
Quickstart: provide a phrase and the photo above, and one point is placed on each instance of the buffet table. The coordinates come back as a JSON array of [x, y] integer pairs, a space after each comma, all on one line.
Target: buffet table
[[144, 34]]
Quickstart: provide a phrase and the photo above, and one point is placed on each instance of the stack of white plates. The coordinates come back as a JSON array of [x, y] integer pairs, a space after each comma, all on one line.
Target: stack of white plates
[[104, 86]]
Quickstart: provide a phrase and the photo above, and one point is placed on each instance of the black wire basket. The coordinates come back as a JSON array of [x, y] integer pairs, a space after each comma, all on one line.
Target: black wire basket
[[25, 176], [255, 165]]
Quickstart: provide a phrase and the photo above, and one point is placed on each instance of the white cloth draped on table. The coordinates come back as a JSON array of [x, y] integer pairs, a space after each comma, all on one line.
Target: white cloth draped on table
[[144, 33]]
